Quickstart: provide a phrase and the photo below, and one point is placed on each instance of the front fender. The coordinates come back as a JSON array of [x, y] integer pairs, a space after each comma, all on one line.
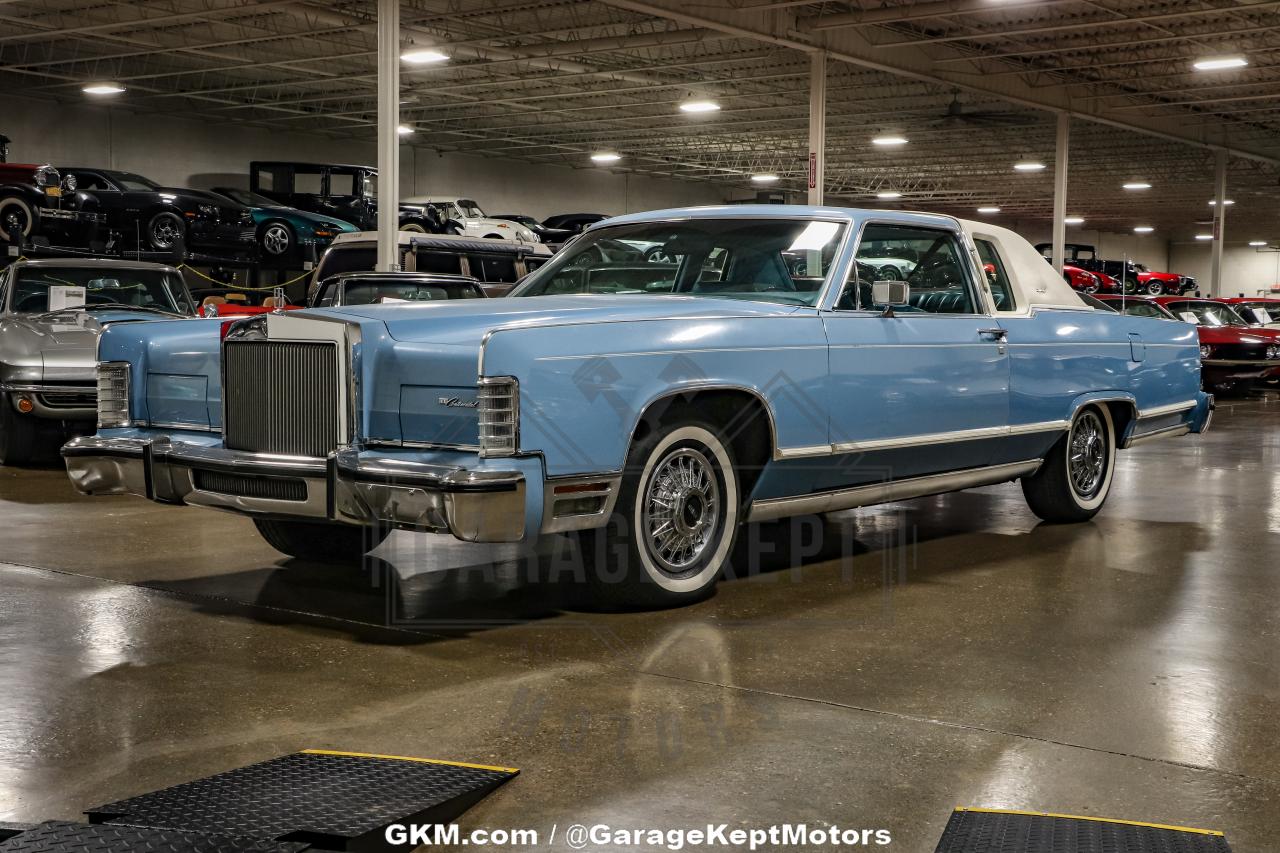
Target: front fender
[[584, 388]]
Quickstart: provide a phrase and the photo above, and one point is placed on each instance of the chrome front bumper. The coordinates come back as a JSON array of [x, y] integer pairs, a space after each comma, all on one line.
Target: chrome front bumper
[[475, 506]]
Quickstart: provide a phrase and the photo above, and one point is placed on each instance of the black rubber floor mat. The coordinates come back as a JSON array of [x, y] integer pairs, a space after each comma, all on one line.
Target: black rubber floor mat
[[995, 831], [331, 800], [60, 837]]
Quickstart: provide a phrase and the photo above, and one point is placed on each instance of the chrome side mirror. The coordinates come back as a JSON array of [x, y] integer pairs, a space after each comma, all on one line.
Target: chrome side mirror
[[892, 294]]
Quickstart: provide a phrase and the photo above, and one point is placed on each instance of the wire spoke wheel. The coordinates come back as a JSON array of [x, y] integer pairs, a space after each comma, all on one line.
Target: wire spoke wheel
[[681, 510], [1087, 457]]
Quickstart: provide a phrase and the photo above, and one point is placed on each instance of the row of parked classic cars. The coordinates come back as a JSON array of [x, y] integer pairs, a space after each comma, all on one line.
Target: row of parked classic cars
[[288, 208]]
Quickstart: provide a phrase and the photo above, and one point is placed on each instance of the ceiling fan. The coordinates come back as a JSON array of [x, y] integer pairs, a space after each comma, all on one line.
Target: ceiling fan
[[958, 115]]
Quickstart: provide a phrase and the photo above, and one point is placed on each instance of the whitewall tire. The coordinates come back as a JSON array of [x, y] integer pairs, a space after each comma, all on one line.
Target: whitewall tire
[[674, 525], [1075, 479]]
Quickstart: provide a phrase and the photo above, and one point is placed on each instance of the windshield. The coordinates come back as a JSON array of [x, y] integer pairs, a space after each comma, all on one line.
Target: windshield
[[770, 260], [249, 199], [42, 289], [470, 209], [1206, 313], [133, 182], [378, 291]]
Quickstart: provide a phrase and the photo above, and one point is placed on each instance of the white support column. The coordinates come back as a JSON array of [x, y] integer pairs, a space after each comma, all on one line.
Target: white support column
[[1060, 192], [1219, 223], [388, 259], [817, 125]]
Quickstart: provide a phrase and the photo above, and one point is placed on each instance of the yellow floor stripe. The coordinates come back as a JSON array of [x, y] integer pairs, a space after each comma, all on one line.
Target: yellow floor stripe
[[1096, 819], [410, 758]]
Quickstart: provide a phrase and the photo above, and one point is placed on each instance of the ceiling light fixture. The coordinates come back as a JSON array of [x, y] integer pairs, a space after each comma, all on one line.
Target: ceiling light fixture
[[766, 178], [1225, 203], [1217, 63], [1074, 220], [102, 88], [1029, 166], [990, 209], [1143, 229], [1137, 185], [889, 141], [1204, 236], [888, 194], [699, 106], [404, 130], [424, 56], [1257, 243], [606, 157]]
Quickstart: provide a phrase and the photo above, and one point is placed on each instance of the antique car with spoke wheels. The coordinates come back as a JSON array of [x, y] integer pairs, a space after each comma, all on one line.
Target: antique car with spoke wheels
[[51, 314], [760, 370]]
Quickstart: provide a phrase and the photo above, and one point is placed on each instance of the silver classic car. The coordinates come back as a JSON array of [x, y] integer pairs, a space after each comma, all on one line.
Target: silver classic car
[[51, 314]]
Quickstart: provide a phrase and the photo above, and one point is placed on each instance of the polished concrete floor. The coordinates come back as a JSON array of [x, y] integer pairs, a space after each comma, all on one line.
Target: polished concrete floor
[[940, 652]]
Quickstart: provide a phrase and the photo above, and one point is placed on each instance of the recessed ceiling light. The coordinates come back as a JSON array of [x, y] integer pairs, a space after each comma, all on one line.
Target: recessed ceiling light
[[889, 140], [1137, 185], [766, 178], [606, 157], [1217, 63], [1074, 220], [1029, 166], [888, 194], [424, 56], [1225, 202], [1257, 242], [699, 106], [1204, 236], [989, 209], [404, 130], [102, 88], [1143, 229]]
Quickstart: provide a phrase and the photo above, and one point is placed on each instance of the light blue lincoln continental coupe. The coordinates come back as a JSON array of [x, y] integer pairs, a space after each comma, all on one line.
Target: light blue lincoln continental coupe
[[664, 379]]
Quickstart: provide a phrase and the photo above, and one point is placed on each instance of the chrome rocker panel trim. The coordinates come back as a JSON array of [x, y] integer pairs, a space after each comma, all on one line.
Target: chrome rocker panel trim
[[475, 506], [893, 490]]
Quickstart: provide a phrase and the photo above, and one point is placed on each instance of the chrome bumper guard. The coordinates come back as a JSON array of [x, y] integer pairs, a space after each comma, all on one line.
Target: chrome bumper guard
[[475, 506]]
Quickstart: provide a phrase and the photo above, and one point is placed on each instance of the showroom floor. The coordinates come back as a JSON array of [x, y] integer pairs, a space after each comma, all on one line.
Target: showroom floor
[[947, 652]]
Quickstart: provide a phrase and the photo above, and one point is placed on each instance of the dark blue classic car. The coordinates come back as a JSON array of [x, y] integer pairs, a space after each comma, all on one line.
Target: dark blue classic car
[[730, 365]]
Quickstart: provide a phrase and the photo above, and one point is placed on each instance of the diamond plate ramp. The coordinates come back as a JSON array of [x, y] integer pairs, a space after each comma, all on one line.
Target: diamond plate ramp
[[60, 837], [331, 800], [997, 831]]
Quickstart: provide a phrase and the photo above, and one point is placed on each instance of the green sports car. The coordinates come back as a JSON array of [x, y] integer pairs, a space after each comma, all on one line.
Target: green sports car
[[283, 231]]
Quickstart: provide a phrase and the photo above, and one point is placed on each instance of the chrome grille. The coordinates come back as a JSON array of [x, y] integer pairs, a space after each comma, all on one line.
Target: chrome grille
[[247, 486], [281, 397]]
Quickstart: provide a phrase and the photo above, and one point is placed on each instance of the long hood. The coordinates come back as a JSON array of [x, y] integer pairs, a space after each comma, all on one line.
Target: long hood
[[1237, 335], [467, 321]]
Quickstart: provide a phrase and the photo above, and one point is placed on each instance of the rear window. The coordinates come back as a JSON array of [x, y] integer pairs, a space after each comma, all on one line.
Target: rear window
[[439, 262], [493, 268]]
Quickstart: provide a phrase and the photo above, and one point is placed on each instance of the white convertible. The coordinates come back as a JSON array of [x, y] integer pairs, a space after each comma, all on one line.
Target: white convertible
[[468, 220]]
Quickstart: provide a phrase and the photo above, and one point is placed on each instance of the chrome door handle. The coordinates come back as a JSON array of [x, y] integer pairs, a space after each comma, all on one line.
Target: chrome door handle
[[1001, 334]]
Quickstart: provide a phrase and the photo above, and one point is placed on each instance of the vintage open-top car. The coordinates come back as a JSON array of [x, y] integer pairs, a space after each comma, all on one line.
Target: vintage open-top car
[[755, 372]]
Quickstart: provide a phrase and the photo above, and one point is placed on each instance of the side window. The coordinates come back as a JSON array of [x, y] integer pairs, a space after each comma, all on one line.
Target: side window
[[439, 262], [931, 261], [493, 268], [997, 276], [342, 184], [308, 182], [92, 182]]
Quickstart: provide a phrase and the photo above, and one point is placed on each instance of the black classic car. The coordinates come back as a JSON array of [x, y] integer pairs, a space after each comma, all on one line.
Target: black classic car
[[150, 216], [35, 200], [347, 193]]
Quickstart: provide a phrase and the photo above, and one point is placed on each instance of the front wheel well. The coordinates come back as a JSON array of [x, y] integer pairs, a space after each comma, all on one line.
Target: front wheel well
[[741, 417]]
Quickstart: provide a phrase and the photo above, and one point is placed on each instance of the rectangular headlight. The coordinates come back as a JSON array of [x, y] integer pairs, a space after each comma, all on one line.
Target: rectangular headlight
[[498, 409], [113, 394]]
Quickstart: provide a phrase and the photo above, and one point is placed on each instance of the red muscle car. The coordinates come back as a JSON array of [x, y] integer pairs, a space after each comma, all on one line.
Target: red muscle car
[[1233, 355]]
